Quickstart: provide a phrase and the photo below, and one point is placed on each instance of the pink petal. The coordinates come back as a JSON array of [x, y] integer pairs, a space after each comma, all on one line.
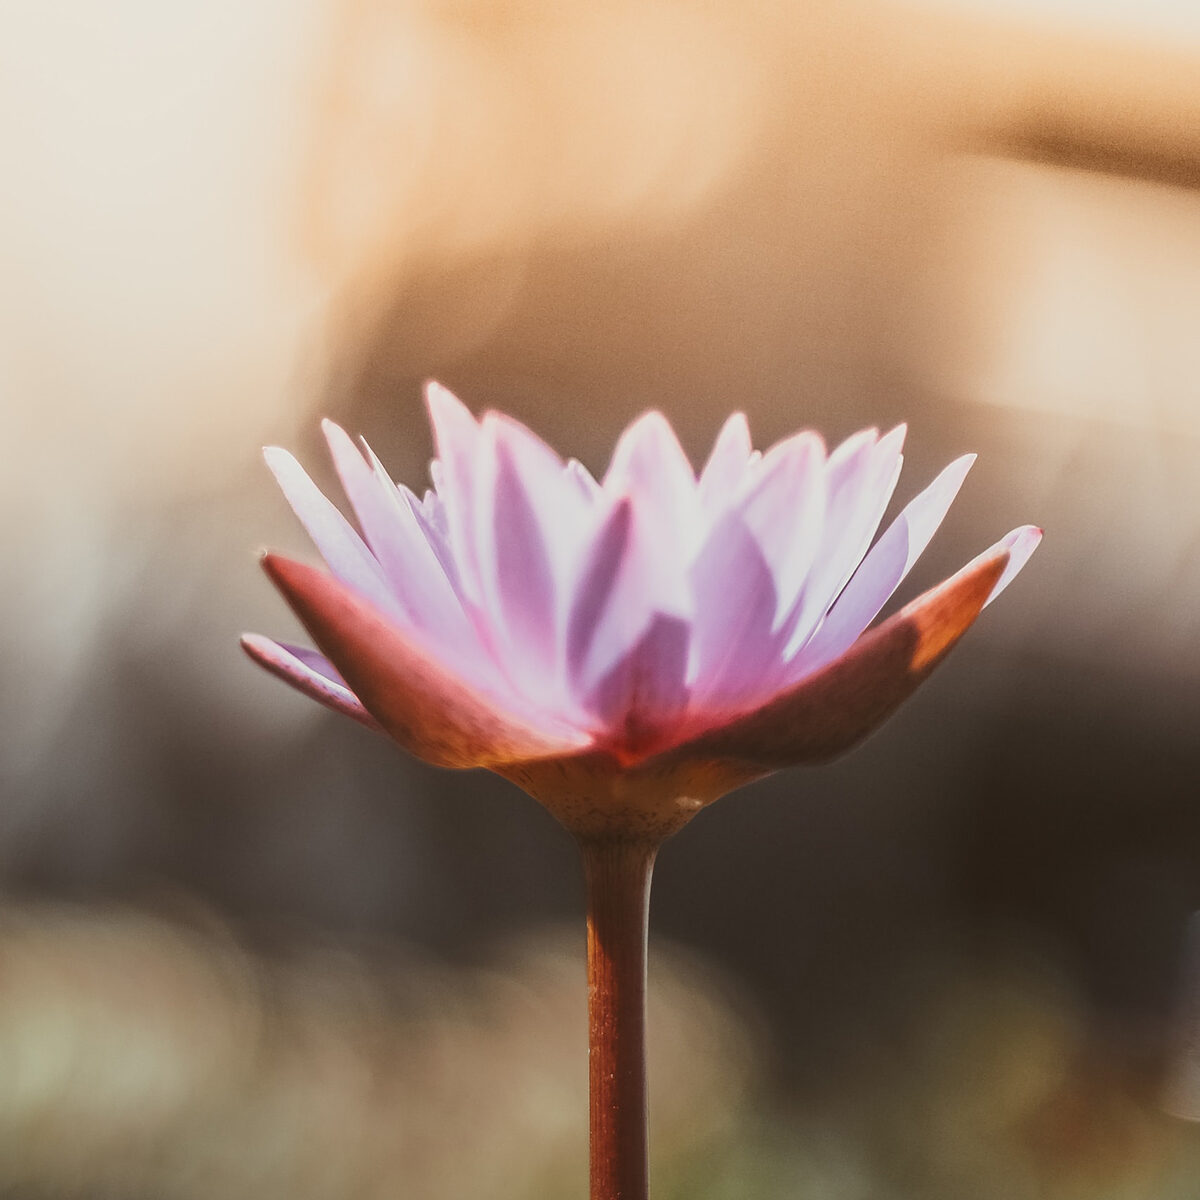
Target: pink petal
[[398, 540], [650, 465], [735, 613], [644, 693], [430, 710], [648, 578], [334, 536], [521, 479], [592, 595], [861, 476], [308, 672], [1020, 544], [785, 509], [831, 709], [883, 569], [583, 479], [456, 436], [728, 462]]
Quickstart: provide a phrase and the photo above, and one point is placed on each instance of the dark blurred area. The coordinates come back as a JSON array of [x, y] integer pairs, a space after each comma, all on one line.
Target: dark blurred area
[[247, 948]]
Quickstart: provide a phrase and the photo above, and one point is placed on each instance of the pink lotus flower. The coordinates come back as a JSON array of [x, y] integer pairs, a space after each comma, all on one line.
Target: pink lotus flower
[[631, 648]]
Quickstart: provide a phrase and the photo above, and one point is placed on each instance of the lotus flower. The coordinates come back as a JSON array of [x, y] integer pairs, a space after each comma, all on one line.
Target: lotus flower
[[630, 648]]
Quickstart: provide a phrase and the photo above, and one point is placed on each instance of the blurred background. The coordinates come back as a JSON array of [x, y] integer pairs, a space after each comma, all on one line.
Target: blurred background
[[248, 949]]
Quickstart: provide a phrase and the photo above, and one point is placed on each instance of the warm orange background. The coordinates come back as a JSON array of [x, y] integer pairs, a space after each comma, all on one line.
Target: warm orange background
[[249, 950]]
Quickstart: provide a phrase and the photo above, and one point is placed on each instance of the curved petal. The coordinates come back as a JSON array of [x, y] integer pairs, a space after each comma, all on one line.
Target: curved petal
[[861, 475], [649, 465], [456, 436], [728, 462], [640, 699], [1020, 544], [398, 541], [310, 673], [336, 539], [528, 523], [735, 610], [882, 571], [590, 601], [428, 709], [829, 711], [785, 510]]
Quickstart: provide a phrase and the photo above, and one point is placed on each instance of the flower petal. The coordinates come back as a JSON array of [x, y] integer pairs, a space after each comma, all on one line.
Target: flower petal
[[599, 569], [310, 673], [882, 571], [735, 612], [431, 711], [530, 519], [832, 709], [728, 462], [334, 536], [399, 542], [583, 479], [456, 435], [785, 510], [1020, 544], [861, 475], [640, 699], [649, 465]]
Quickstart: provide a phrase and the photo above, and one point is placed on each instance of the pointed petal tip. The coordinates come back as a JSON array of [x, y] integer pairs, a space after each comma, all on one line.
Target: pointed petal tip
[[960, 468], [438, 397], [309, 673], [1017, 548], [427, 706], [842, 702], [285, 572]]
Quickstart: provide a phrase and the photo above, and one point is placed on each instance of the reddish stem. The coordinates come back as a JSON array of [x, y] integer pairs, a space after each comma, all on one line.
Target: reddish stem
[[618, 889]]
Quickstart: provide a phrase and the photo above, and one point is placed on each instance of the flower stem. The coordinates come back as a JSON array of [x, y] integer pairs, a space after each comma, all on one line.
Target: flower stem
[[618, 890]]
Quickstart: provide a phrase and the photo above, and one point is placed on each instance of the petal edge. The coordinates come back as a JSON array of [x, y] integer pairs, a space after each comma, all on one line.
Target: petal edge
[[429, 710]]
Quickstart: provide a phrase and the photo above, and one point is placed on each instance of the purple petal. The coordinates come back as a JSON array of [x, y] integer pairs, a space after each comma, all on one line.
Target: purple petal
[[396, 536], [416, 696], [334, 536], [861, 476], [785, 510], [1020, 545], [883, 570], [310, 673], [825, 713], [650, 465], [516, 573], [599, 569], [583, 479], [644, 692], [728, 462], [456, 436], [735, 611]]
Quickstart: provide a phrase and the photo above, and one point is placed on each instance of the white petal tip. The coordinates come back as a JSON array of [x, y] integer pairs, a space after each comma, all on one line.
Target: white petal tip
[[280, 462], [1020, 545], [437, 395], [961, 467]]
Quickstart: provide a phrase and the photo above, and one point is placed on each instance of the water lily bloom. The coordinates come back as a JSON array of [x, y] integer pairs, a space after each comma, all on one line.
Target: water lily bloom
[[630, 648]]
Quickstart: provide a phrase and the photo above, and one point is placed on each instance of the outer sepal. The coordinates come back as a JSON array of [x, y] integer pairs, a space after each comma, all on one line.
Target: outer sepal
[[828, 712], [414, 698]]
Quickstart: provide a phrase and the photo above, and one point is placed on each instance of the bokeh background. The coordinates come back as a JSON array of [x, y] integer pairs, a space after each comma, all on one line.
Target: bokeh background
[[247, 949]]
